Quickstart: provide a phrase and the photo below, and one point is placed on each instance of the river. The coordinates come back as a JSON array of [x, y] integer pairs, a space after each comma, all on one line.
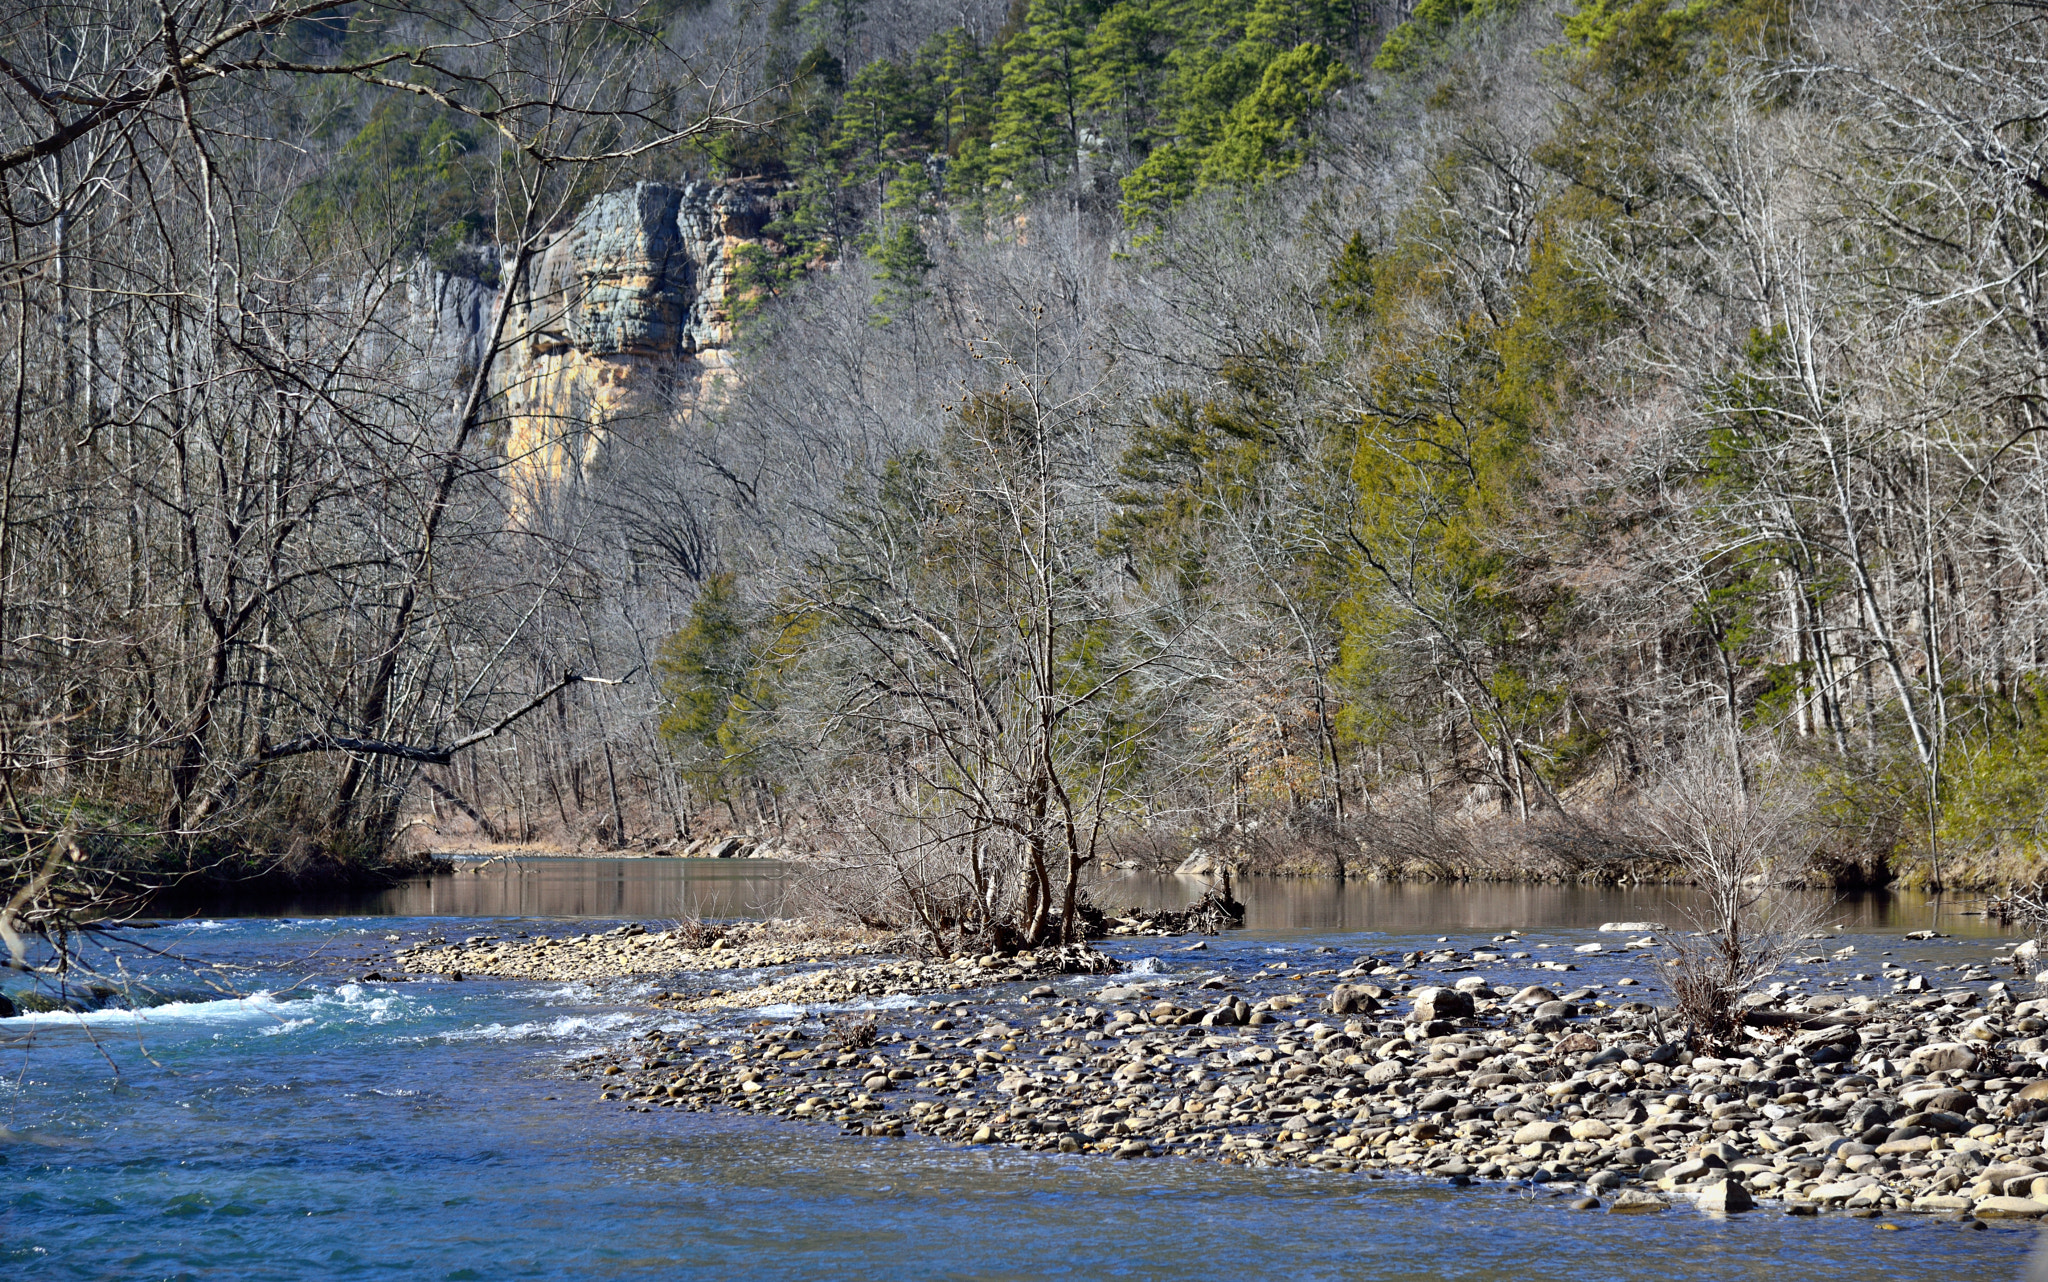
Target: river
[[279, 1119]]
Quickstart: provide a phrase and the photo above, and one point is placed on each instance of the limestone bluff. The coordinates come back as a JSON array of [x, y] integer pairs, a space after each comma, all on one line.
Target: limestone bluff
[[626, 312]]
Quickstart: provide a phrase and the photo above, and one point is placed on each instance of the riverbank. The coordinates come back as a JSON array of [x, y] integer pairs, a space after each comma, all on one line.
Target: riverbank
[[1927, 1100], [281, 1134]]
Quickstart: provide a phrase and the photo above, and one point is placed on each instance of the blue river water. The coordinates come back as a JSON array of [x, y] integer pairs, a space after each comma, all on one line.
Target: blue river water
[[278, 1119]]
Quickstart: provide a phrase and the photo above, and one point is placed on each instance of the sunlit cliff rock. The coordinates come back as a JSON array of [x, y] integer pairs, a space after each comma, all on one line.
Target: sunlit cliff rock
[[625, 313]]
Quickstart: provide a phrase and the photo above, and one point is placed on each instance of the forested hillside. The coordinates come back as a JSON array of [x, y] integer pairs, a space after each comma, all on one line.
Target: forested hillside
[[1550, 400], [1328, 436]]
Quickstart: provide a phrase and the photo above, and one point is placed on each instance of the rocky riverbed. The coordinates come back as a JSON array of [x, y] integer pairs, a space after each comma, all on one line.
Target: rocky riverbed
[[1931, 1098], [633, 950]]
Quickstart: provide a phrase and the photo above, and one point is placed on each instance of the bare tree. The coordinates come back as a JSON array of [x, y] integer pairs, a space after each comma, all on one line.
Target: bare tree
[[976, 652], [1744, 847], [257, 569]]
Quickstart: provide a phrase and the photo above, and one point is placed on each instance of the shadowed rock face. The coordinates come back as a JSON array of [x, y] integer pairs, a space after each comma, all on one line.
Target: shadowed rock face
[[625, 274], [449, 318], [625, 313]]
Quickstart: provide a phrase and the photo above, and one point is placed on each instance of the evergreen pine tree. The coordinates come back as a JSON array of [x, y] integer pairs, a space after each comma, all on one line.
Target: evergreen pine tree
[[1038, 111]]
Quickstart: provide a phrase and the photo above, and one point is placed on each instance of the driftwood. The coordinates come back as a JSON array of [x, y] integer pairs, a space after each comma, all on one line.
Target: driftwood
[[1216, 911], [1762, 1018]]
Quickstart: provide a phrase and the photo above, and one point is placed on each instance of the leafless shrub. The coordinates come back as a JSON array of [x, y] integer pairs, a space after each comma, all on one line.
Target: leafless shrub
[[1401, 838], [1405, 839], [932, 877], [694, 932], [853, 1032], [1742, 835], [1599, 844]]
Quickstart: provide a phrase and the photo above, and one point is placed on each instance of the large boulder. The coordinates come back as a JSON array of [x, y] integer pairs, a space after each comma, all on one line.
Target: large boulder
[[1985, 1028], [1432, 1004], [1940, 1119], [1944, 1057], [2010, 1208], [1543, 1133], [1843, 1039], [1231, 1012], [2029, 1097], [1635, 1202], [1346, 999], [1944, 1099], [1726, 1197], [1691, 1171]]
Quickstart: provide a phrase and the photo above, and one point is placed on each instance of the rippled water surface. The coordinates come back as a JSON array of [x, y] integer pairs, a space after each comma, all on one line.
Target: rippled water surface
[[319, 1127]]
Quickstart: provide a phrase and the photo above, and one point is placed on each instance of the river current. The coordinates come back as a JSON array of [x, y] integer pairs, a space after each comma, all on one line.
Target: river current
[[278, 1118]]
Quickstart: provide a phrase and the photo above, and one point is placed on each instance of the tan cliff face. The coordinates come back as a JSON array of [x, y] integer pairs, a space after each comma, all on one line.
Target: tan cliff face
[[626, 313]]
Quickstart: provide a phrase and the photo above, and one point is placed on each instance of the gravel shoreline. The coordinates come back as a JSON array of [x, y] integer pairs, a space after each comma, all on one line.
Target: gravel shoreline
[[633, 950], [1923, 1100]]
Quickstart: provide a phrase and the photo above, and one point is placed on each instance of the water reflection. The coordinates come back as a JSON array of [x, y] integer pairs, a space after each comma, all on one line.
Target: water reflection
[[644, 889], [1298, 905], [663, 889]]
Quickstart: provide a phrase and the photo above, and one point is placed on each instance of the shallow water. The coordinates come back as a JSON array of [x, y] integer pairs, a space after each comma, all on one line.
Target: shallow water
[[325, 1128]]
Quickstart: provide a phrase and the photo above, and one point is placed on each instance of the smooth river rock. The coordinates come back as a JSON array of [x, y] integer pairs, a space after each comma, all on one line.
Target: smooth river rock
[[1726, 1197], [1442, 1003]]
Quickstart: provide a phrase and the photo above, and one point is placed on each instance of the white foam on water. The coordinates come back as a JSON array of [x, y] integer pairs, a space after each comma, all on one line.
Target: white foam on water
[[553, 1030], [378, 1004], [582, 994], [204, 923], [1147, 966], [791, 1010], [348, 1004], [256, 1007]]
